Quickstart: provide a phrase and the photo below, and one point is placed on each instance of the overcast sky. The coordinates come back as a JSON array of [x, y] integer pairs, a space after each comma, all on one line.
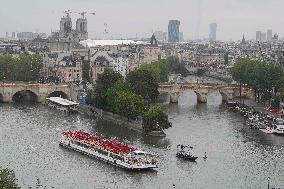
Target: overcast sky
[[126, 18]]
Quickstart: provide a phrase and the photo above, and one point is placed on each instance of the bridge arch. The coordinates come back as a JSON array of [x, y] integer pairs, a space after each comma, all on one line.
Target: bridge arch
[[25, 96], [58, 94]]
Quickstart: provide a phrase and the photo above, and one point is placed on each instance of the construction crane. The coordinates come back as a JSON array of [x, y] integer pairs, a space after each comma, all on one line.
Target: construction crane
[[68, 12], [83, 14]]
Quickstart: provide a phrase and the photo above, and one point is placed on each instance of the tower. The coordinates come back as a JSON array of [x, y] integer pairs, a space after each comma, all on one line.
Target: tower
[[269, 35], [81, 28], [173, 31], [66, 24], [213, 32]]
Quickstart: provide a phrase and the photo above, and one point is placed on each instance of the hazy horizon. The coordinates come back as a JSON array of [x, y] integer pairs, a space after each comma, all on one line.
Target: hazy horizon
[[128, 18]]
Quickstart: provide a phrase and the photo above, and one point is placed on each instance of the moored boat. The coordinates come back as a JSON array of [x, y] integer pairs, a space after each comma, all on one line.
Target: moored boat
[[110, 151], [62, 104]]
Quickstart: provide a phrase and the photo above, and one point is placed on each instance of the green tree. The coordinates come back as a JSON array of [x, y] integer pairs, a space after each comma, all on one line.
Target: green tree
[[111, 95], [7, 179], [104, 82], [143, 83], [86, 70], [128, 104], [155, 119], [24, 67], [226, 58]]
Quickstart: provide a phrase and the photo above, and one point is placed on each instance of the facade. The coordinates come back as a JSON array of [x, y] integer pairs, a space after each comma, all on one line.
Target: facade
[[63, 66], [161, 36], [258, 35], [269, 35], [263, 36], [173, 31], [67, 33], [213, 32]]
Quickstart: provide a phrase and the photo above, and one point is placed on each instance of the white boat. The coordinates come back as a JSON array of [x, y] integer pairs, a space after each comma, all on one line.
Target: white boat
[[279, 127], [110, 151], [62, 104]]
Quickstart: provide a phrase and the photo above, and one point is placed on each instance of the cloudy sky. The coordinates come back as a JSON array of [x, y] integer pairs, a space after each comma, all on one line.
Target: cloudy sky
[[128, 18]]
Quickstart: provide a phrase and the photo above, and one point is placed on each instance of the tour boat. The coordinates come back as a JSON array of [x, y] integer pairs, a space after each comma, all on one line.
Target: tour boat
[[110, 151], [62, 104], [185, 154]]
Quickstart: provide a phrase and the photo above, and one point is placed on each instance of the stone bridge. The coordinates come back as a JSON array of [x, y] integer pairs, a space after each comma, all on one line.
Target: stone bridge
[[38, 92], [202, 90]]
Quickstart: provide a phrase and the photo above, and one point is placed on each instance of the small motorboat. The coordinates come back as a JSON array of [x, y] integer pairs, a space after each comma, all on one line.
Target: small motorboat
[[185, 152]]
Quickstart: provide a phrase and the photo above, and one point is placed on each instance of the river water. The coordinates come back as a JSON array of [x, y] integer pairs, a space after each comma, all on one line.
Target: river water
[[237, 156]]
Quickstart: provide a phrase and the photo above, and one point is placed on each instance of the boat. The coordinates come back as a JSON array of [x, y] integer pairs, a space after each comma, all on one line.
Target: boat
[[110, 151], [185, 152], [62, 104], [279, 127]]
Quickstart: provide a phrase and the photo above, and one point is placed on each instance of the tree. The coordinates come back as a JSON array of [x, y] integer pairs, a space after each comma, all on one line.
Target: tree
[[128, 104], [7, 179], [226, 58], [86, 70], [111, 95], [104, 82], [24, 67], [155, 119], [142, 82]]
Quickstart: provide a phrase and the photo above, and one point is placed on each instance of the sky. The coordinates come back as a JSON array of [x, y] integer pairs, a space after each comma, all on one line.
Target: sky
[[128, 18]]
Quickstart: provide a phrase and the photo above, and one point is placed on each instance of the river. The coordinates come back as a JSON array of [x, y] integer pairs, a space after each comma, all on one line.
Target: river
[[237, 156]]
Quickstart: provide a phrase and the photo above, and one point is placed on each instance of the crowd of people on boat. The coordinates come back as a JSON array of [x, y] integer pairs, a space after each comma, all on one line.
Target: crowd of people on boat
[[100, 142], [256, 119]]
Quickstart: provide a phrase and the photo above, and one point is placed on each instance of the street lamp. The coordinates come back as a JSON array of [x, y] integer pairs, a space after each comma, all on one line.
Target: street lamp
[[268, 183]]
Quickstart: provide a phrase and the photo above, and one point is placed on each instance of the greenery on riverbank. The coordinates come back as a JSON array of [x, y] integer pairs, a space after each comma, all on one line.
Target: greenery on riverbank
[[7, 179], [130, 97], [266, 79], [162, 68], [20, 68]]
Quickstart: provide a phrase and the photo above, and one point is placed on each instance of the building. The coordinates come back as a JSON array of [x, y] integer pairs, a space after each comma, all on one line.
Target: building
[[269, 35], [62, 65], [213, 32], [263, 36], [66, 31], [161, 36], [13, 35], [258, 35], [173, 31], [181, 39]]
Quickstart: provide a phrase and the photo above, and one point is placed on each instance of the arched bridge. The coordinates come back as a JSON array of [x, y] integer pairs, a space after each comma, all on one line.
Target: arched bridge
[[10, 92], [202, 90]]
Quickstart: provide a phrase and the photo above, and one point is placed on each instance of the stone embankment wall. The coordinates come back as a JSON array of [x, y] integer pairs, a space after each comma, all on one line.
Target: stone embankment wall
[[114, 118]]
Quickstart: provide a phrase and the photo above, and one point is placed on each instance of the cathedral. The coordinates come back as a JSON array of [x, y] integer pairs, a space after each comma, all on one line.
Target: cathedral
[[67, 33]]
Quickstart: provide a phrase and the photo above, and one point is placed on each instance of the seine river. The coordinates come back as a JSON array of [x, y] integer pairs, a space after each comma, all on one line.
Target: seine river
[[237, 156]]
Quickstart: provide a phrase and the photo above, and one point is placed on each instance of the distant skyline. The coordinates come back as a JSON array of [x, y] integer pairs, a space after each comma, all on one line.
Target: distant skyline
[[128, 18]]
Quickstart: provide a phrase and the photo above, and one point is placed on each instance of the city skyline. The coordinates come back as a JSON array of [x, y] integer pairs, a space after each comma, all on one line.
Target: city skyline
[[124, 19]]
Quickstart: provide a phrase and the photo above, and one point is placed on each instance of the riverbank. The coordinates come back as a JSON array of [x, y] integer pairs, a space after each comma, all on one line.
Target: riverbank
[[113, 118], [134, 125]]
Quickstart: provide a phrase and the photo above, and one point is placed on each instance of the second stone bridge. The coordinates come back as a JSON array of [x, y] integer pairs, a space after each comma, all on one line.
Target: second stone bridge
[[202, 90]]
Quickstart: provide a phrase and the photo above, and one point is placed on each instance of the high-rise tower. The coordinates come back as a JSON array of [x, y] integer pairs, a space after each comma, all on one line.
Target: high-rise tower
[[213, 32], [173, 31]]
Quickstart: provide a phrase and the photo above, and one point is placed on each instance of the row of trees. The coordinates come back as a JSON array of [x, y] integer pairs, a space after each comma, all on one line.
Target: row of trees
[[130, 97], [266, 79], [23, 67]]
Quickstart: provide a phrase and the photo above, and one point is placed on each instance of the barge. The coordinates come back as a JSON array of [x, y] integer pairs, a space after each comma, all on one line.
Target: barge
[[110, 151]]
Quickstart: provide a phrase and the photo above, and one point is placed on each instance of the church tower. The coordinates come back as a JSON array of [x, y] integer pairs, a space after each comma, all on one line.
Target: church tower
[[66, 24], [81, 28]]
